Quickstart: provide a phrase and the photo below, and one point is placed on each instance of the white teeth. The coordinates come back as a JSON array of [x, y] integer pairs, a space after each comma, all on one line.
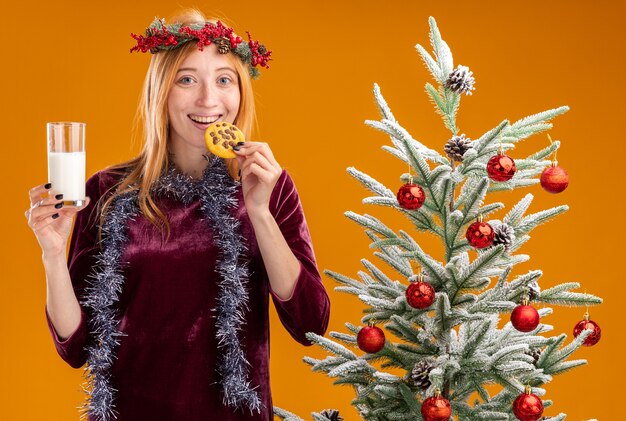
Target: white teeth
[[204, 120]]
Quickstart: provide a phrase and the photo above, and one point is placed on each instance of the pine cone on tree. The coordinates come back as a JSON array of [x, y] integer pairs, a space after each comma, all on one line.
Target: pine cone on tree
[[533, 290], [332, 415], [419, 374], [222, 44], [535, 353], [456, 147], [504, 234], [461, 81]]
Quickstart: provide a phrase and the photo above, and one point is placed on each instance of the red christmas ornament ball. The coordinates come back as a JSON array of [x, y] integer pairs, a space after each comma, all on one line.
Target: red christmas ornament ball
[[528, 407], [501, 167], [411, 196], [420, 294], [525, 318], [554, 179], [371, 339], [480, 235], [436, 408], [594, 337]]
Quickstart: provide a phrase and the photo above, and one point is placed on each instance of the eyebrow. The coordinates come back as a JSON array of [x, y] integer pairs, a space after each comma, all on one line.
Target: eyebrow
[[193, 69]]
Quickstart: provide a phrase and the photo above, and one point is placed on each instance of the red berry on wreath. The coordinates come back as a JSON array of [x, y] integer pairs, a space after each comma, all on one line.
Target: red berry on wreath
[[528, 407], [411, 196], [371, 339], [480, 234], [501, 167], [554, 179], [436, 408], [584, 324], [524, 317], [420, 294]]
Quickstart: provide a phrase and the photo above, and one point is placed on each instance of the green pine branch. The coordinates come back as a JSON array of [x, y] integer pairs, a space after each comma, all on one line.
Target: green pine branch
[[286, 415]]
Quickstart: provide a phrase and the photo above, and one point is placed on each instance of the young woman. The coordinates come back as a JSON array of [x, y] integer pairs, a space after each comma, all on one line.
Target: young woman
[[173, 257]]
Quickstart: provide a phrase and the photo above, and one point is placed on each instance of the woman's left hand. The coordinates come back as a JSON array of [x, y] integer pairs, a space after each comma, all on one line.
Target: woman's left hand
[[259, 174]]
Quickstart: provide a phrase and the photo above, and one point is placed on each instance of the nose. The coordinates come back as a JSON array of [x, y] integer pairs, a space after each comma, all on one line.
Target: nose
[[207, 95]]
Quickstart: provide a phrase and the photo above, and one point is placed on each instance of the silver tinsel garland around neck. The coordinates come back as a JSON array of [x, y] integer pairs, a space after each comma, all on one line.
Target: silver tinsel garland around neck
[[216, 190]]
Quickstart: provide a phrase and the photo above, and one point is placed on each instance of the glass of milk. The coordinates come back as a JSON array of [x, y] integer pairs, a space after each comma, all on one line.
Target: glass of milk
[[66, 161]]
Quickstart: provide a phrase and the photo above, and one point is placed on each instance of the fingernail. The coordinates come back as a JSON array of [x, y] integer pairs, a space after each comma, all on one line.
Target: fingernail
[[241, 143], [59, 205], [58, 197], [55, 216], [236, 148], [47, 186]]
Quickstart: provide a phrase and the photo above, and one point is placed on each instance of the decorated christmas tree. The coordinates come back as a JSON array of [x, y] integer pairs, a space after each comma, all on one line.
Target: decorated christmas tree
[[432, 345]]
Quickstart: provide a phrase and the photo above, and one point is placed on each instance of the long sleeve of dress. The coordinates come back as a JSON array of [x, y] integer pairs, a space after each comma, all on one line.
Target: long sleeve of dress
[[81, 260], [308, 309]]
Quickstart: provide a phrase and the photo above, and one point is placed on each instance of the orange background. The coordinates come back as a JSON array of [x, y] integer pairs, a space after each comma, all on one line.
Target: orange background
[[69, 60]]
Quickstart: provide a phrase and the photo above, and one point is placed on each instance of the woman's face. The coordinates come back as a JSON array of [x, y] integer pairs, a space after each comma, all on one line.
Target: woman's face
[[205, 90]]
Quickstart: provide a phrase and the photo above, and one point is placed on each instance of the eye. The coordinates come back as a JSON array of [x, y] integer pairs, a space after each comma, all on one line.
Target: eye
[[185, 80], [224, 80]]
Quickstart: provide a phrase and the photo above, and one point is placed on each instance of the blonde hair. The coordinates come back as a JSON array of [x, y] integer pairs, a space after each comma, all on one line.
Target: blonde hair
[[146, 168]]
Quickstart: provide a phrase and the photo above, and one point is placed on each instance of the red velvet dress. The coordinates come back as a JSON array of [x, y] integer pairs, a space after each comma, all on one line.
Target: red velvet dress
[[165, 366]]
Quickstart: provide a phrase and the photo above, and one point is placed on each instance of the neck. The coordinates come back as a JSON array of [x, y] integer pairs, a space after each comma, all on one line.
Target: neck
[[192, 163]]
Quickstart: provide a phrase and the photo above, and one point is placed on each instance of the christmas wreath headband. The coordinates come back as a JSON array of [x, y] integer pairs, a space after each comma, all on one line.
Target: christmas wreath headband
[[162, 37]]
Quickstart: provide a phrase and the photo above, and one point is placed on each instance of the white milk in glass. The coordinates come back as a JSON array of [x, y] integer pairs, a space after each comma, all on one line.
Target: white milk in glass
[[66, 172]]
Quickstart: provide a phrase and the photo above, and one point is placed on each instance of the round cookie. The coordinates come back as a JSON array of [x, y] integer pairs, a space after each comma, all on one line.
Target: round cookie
[[221, 137]]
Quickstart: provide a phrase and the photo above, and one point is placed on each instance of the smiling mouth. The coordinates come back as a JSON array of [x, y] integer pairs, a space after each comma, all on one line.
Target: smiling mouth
[[204, 119]]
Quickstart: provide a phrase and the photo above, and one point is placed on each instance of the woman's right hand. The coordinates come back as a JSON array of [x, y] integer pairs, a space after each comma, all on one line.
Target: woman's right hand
[[50, 220]]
